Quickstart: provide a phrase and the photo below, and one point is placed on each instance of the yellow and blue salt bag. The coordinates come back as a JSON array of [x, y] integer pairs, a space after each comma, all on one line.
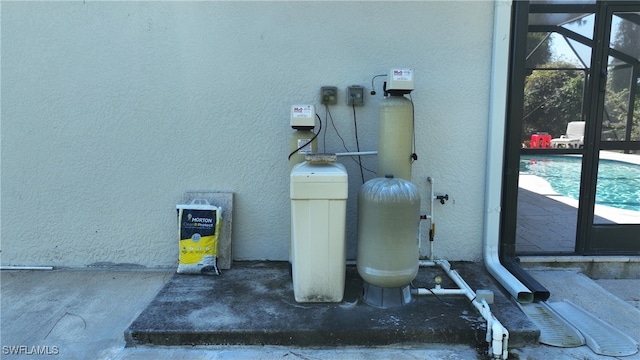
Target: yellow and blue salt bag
[[199, 225]]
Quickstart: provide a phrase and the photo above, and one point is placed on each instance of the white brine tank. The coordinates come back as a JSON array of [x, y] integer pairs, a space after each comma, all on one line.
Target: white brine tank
[[319, 188], [388, 251]]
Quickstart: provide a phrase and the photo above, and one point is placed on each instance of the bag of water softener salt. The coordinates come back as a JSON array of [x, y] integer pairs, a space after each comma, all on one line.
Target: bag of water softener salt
[[199, 228]]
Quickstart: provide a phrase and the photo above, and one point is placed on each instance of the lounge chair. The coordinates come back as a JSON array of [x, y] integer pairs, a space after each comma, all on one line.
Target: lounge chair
[[574, 136]]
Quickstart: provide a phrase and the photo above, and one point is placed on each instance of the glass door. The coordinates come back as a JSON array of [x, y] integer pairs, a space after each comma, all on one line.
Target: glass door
[[551, 126], [615, 214], [571, 179]]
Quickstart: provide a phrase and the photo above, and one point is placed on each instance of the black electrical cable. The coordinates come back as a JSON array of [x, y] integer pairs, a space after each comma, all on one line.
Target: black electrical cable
[[344, 145], [324, 136], [373, 89], [432, 293], [355, 125], [310, 141]]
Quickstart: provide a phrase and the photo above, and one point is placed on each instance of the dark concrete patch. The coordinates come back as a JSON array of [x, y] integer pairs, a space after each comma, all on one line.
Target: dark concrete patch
[[253, 304]]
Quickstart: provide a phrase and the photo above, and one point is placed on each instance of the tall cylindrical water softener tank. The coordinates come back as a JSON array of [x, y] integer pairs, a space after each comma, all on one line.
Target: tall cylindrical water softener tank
[[395, 137], [388, 252]]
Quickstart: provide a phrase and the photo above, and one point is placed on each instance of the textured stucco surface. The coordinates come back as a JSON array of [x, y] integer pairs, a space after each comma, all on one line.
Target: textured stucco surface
[[112, 110]]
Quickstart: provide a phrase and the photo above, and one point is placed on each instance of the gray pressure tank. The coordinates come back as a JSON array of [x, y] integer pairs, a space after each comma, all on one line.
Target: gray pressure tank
[[388, 220]]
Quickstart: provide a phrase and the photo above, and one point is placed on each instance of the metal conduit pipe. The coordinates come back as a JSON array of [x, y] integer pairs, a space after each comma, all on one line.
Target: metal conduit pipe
[[495, 150]]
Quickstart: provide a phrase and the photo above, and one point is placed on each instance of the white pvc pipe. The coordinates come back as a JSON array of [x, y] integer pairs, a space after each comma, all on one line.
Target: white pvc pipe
[[498, 340], [495, 151], [424, 263], [497, 335], [431, 195], [428, 217], [431, 198], [357, 153], [26, 267], [436, 291], [420, 237]]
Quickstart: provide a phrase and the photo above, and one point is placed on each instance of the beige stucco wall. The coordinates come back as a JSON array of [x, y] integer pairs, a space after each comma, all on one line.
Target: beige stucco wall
[[111, 110]]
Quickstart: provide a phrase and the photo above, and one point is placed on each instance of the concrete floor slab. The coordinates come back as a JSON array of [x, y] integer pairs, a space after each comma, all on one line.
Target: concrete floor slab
[[626, 289], [74, 314], [253, 304], [592, 297], [609, 306], [431, 351], [84, 313]]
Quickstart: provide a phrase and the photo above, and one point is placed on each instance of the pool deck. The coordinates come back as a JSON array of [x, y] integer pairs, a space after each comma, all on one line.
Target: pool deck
[[547, 221], [628, 158]]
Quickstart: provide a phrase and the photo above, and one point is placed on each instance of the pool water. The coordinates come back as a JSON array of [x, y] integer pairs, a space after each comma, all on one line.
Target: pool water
[[618, 182]]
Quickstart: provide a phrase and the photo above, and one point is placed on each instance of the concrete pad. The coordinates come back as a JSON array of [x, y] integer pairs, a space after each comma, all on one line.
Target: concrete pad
[[589, 295], [253, 304], [432, 351], [626, 289], [586, 293], [84, 312], [74, 314]]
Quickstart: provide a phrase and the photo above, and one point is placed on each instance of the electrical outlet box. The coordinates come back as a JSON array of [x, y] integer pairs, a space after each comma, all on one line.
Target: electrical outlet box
[[329, 95], [355, 95]]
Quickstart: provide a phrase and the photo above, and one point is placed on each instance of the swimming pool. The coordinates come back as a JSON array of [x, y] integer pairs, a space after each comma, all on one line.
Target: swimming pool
[[618, 182]]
